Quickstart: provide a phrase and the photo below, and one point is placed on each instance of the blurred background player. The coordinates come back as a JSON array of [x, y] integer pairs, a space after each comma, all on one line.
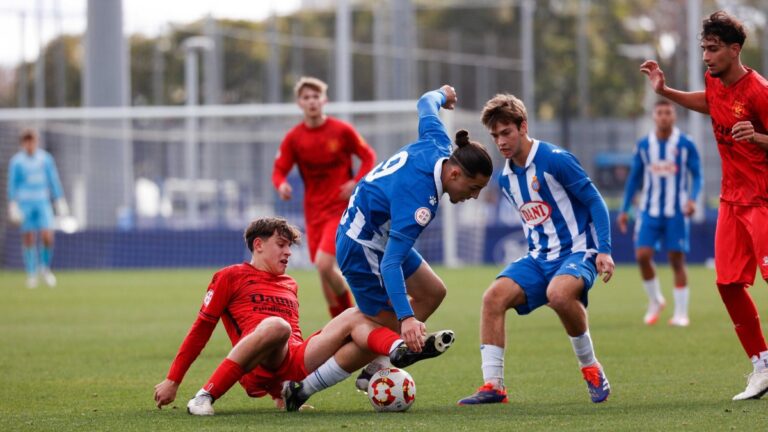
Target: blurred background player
[[260, 309], [32, 182], [736, 97], [389, 209], [568, 229], [322, 147], [662, 163]]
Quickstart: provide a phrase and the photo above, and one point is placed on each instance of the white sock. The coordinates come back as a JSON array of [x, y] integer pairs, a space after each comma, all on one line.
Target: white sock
[[492, 364], [653, 289], [395, 344], [681, 301], [760, 362], [582, 347], [328, 374]]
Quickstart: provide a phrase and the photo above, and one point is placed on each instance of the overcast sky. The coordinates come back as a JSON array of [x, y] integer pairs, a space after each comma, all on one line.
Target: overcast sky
[[145, 16]]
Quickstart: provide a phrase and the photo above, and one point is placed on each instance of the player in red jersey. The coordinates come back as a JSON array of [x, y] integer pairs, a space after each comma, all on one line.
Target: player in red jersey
[[259, 306], [322, 147], [736, 97]]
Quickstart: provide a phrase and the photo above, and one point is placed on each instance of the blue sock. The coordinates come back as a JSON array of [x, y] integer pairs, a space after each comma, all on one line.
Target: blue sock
[[30, 260], [45, 256]]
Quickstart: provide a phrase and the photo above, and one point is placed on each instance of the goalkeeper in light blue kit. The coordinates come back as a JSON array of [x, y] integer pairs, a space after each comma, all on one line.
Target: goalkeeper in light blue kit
[[567, 226], [32, 182]]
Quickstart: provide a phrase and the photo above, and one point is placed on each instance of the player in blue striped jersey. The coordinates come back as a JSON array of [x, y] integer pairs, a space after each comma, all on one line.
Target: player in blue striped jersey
[[388, 211], [667, 165], [32, 182], [567, 226]]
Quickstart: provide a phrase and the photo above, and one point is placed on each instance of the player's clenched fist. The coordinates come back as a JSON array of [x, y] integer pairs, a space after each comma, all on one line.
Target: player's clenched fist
[[165, 392], [450, 96]]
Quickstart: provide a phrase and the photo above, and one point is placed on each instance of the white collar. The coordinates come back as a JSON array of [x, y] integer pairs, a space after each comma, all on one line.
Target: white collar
[[528, 162], [438, 174]]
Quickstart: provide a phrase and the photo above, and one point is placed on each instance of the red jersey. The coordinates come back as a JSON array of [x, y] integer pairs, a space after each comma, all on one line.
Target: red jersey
[[242, 297], [324, 155], [745, 164]]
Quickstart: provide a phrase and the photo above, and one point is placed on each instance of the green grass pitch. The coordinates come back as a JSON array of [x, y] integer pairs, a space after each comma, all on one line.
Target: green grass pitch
[[86, 355]]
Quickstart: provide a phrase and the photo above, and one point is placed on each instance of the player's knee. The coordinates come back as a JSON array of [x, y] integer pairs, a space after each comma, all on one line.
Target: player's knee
[[276, 330], [499, 298], [559, 299]]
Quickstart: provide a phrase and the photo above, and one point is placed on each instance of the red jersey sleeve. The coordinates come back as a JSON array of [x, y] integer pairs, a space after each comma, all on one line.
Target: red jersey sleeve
[[217, 298], [284, 160], [362, 150], [193, 345]]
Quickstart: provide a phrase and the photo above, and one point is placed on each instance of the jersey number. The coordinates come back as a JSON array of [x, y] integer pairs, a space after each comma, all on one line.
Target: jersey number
[[386, 168]]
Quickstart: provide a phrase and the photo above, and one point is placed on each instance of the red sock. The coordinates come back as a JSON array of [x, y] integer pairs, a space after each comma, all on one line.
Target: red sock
[[380, 340], [745, 318], [223, 378], [343, 302]]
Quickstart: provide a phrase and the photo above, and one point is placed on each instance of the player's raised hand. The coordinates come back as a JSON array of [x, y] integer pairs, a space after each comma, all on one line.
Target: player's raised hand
[[413, 333], [165, 392], [655, 75], [450, 96], [285, 191], [621, 221], [605, 266]]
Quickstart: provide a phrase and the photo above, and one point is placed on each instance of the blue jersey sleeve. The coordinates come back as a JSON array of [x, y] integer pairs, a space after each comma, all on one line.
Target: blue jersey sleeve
[[575, 180], [53, 177], [633, 181], [430, 125], [392, 273], [13, 179], [694, 166]]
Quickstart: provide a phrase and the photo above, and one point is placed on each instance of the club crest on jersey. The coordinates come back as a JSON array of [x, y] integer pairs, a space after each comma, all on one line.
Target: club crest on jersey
[[738, 109], [535, 213], [422, 216], [208, 297], [535, 185]]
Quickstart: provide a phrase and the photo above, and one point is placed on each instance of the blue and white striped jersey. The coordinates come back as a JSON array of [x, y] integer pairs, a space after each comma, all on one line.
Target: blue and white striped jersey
[[670, 171], [399, 197], [560, 209], [33, 178]]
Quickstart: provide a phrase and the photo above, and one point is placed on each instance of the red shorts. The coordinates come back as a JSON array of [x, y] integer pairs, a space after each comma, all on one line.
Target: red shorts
[[321, 235], [741, 244], [260, 381]]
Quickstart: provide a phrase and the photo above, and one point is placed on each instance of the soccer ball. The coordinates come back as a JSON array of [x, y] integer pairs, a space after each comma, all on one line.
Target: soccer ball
[[391, 389]]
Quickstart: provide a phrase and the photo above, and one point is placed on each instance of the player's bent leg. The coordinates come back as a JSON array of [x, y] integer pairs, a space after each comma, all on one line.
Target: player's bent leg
[[427, 291], [502, 295]]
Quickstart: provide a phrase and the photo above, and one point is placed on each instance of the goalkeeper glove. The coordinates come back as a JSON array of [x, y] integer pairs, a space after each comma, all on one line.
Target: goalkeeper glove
[[62, 209], [14, 213]]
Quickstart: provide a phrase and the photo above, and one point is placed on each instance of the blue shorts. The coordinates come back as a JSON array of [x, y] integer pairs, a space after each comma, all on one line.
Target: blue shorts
[[360, 266], [38, 216], [670, 232], [534, 276]]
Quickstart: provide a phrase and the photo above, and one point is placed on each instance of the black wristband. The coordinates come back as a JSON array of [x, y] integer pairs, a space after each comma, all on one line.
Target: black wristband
[[404, 318]]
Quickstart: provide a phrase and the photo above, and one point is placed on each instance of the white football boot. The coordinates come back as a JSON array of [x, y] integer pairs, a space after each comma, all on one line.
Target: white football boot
[[201, 404], [48, 277], [757, 386]]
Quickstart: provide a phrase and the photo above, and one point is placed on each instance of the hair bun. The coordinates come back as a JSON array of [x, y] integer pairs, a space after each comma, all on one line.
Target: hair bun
[[462, 137]]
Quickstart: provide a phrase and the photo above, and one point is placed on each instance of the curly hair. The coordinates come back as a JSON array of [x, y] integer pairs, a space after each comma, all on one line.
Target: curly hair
[[723, 27], [265, 227]]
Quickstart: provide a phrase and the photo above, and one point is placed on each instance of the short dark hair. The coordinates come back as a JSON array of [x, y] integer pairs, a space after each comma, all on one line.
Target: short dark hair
[[27, 134], [471, 156], [663, 102], [724, 27], [266, 227]]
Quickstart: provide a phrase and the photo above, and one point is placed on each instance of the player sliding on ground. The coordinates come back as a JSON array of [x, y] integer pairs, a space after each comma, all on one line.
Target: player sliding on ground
[[388, 211], [736, 97], [259, 306], [566, 222]]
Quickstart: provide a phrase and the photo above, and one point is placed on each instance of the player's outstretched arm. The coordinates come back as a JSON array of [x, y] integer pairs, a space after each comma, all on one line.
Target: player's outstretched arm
[[696, 101]]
